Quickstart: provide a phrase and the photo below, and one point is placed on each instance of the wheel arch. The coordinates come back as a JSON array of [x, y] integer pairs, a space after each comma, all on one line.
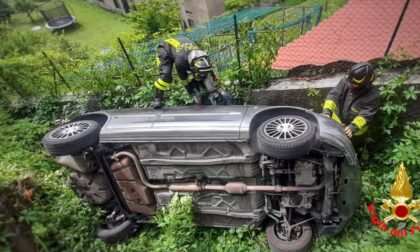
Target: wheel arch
[[100, 117]]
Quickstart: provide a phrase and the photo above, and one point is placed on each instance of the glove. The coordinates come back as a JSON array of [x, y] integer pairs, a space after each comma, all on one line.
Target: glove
[[326, 112], [348, 131], [215, 79]]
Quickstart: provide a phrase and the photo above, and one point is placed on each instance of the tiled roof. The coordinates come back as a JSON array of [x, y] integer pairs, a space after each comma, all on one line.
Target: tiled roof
[[360, 31]]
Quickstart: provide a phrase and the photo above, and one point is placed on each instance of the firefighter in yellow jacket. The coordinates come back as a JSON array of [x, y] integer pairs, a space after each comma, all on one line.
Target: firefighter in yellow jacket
[[354, 101], [186, 57]]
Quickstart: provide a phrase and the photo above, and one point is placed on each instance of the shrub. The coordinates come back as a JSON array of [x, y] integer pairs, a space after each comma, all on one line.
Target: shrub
[[394, 97], [156, 17], [235, 5], [408, 148], [177, 224]]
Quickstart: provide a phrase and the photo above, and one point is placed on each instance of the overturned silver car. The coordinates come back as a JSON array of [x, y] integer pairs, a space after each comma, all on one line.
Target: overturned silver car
[[285, 169]]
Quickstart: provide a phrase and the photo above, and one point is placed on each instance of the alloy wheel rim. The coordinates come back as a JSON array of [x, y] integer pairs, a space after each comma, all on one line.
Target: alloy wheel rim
[[69, 130], [285, 128]]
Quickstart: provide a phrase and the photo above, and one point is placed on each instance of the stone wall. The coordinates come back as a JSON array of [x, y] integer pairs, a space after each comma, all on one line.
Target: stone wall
[[299, 92]]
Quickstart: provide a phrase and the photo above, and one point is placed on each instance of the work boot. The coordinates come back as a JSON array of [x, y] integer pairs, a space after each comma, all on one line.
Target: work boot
[[157, 103], [196, 96], [158, 100]]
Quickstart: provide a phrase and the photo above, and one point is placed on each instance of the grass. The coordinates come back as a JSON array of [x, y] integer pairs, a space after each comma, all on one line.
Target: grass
[[96, 28]]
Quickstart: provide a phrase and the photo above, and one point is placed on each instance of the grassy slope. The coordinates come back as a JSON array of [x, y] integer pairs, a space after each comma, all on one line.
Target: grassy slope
[[96, 29]]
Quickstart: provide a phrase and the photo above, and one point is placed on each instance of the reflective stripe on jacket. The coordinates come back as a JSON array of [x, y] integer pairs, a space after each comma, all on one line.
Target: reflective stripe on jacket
[[353, 108]]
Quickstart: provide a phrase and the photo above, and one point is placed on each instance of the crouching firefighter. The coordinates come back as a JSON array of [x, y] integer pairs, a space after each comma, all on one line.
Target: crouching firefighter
[[185, 55], [354, 101]]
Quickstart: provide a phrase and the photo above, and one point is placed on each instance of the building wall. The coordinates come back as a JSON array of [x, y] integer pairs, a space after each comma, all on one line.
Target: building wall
[[195, 12]]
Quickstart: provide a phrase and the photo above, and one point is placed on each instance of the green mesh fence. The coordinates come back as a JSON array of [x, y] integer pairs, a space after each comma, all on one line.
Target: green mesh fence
[[308, 19], [225, 24], [222, 51], [218, 25]]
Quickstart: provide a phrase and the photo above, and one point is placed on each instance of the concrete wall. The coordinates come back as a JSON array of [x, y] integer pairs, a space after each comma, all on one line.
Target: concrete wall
[[296, 92], [200, 11]]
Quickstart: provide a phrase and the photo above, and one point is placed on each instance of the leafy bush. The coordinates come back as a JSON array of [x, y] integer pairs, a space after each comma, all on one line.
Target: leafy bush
[[15, 43], [154, 17], [26, 73], [395, 96], [177, 224], [43, 109], [407, 150], [235, 5]]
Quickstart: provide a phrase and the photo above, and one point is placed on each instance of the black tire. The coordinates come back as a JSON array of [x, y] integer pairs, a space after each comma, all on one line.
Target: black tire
[[91, 187], [224, 98], [118, 233], [72, 138], [300, 244], [299, 137]]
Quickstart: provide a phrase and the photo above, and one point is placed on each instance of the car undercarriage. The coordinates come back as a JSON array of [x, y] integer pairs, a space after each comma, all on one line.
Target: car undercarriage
[[284, 169]]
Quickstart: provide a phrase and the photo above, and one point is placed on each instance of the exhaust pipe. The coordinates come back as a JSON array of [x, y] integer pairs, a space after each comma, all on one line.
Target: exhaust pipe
[[230, 188]]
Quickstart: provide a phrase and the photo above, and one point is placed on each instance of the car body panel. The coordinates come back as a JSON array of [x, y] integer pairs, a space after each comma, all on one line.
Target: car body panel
[[209, 124]]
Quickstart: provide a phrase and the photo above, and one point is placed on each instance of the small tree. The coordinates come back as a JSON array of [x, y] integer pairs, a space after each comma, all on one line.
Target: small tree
[[156, 16], [25, 6]]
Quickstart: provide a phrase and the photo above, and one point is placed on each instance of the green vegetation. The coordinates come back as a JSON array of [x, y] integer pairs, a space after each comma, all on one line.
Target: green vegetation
[[235, 5], [25, 6], [96, 28], [155, 17], [29, 104]]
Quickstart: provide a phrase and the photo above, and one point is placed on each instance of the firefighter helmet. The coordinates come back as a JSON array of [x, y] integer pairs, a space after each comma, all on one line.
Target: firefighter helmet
[[361, 74], [200, 64]]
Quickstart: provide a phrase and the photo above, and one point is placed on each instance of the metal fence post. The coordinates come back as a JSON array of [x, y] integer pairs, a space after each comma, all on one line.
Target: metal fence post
[[397, 27], [238, 54], [303, 21], [56, 70], [129, 61]]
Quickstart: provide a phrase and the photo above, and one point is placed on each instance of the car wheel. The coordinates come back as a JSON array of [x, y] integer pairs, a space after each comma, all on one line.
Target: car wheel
[[72, 138], [92, 187], [300, 238], [286, 136]]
